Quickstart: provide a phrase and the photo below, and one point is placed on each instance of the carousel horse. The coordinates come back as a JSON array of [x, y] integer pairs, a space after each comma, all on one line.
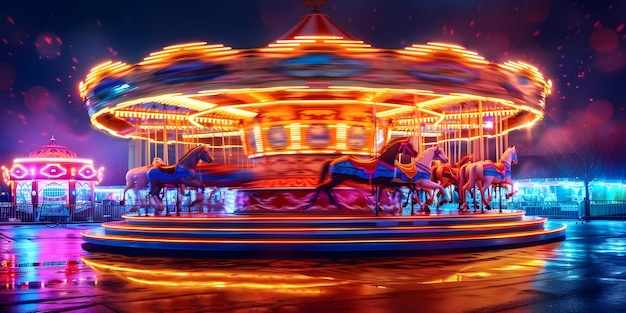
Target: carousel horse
[[136, 179], [418, 174], [376, 172], [485, 174], [448, 175], [180, 175]]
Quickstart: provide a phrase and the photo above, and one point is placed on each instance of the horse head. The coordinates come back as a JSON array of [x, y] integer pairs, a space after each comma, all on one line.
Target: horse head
[[205, 156], [407, 148], [509, 156], [438, 154], [468, 158]]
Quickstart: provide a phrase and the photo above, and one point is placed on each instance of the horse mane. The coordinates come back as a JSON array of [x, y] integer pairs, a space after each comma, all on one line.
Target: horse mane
[[422, 153], [389, 151], [506, 152], [190, 151]]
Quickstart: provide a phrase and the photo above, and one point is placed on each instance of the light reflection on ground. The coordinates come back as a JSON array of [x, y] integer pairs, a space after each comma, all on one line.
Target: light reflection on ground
[[47, 270]]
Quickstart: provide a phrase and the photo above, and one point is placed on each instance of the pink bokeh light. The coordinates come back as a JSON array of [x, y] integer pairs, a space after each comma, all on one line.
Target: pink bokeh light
[[7, 75], [37, 98], [604, 40], [49, 45]]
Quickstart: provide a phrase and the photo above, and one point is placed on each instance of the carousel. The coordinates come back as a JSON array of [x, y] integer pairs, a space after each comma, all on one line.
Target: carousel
[[316, 131], [52, 181]]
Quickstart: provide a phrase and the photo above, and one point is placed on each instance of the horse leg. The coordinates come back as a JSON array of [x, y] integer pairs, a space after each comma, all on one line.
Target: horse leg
[[483, 197], [314, 198]]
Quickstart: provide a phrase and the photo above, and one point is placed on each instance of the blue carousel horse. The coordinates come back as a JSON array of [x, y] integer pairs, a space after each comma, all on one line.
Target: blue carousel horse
[[485, 174], [376, 172], [177, 175]]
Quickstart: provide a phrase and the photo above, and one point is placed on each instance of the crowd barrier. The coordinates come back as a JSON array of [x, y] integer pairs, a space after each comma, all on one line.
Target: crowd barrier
[[61, 214]]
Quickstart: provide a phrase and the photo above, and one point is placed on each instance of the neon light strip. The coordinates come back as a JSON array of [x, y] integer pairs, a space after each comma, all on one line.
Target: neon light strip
[[326, 241]]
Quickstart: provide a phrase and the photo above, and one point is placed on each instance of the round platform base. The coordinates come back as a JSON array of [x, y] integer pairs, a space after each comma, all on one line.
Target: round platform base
[[347, 233]]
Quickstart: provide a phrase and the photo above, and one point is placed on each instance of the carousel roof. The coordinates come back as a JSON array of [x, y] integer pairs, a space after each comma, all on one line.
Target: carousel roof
[[313, 72], [53, 150], [316, 24]]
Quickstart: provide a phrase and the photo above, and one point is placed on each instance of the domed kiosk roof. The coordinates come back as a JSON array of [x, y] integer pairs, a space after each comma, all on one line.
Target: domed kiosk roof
[[53, 150]]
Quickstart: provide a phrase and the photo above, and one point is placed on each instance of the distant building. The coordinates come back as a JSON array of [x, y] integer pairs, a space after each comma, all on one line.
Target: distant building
[[52, 175]]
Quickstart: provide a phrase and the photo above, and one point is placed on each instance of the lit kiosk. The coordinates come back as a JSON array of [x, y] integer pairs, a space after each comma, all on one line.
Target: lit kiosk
[[53, 181]]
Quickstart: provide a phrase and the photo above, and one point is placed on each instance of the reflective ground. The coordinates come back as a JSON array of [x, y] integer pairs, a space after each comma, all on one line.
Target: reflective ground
[[46, 269]]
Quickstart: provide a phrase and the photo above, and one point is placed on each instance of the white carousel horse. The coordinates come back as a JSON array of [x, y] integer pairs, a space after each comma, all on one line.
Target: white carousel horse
[[136, 180], [486, 174], [417, 174]]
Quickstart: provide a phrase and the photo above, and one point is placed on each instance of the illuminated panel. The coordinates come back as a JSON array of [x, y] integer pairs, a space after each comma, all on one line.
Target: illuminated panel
[[342, 130], [258, 138], [18, 171], [87, 172], [53, 170], [296, 137]]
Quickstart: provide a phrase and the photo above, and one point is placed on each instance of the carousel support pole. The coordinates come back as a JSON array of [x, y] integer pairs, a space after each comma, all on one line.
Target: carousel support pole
[[481, 130], [178, 200], [500, 195], [375, 153], [376, 201], [166, 156]]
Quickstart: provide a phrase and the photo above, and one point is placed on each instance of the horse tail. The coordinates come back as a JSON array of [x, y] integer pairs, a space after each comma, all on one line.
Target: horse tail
[[123, 202], [325, 169]]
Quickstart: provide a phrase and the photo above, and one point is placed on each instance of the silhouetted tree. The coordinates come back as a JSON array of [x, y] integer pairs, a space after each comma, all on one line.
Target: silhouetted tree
[[584, 152]]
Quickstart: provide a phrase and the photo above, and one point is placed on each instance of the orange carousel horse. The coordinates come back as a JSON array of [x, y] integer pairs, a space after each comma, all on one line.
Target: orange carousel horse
[[448, 175], [485, 174]]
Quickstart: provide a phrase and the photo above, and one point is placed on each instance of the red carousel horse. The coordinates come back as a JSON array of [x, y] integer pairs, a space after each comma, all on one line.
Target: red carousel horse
[[485, 174]]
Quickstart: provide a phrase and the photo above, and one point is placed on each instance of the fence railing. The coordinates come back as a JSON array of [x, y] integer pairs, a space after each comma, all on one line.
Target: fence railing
[[63, 214], [60, 214]]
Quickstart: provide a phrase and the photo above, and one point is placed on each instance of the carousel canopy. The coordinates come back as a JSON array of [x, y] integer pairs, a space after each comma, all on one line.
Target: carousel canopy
[[314, 79]]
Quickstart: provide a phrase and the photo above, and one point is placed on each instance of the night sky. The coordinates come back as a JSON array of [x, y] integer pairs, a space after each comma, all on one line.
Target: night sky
[[47, 48]]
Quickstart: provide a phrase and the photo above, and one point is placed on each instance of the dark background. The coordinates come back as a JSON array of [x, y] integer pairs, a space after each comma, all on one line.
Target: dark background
[[47, 48]]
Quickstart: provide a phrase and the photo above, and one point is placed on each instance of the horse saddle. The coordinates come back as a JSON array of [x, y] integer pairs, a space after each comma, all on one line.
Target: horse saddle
[[497, 167], [369, 166], [449, 172], [408, 169], [168, 169]]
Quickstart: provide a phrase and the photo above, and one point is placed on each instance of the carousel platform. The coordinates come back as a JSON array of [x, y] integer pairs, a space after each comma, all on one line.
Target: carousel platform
[[443, 231]]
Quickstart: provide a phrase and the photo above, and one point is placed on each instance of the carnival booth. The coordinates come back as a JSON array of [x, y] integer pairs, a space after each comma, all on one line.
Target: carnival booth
[[52, 180]]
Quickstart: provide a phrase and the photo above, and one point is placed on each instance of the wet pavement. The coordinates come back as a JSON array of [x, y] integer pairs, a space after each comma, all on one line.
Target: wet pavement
[[46, 269]]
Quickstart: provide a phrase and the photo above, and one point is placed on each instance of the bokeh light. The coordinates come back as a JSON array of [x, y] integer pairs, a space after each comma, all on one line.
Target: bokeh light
[[611, 62], [37, 98], [599, 111], [7, 75], [604, 40], [535, 11], [49, 45]]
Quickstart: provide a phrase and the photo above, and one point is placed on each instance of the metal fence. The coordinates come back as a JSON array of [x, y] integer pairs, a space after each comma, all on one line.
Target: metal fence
[[61, 214]]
